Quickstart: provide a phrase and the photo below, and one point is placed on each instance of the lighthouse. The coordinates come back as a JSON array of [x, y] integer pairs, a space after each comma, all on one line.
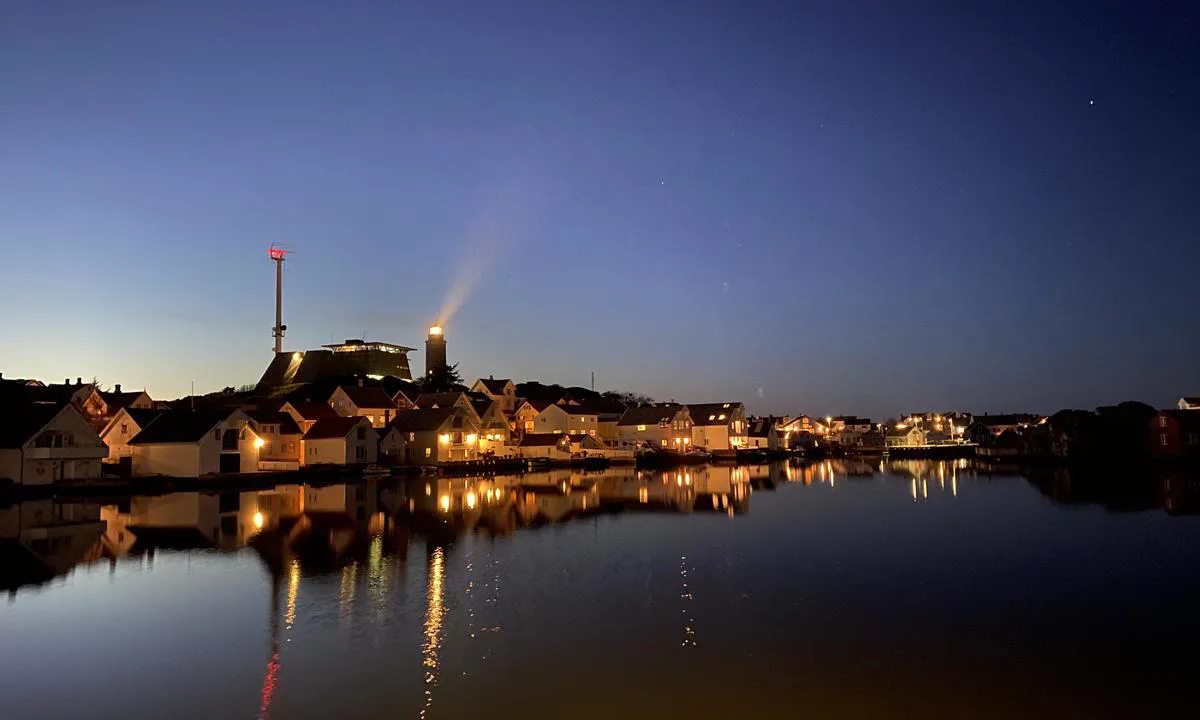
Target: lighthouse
[[435, 351]]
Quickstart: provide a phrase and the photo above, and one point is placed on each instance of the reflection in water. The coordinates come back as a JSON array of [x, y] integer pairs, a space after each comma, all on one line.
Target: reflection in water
[[685, 598], [433, 624]]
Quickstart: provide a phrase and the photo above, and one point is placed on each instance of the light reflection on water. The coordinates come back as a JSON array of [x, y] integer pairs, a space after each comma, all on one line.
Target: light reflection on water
[[843, 582]]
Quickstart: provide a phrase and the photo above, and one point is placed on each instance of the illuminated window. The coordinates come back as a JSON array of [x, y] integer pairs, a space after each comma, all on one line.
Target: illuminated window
[[721, 416], [1162, 439], [641, 428], [664, 443], [1162, 421], [412, 436], [428, 452]]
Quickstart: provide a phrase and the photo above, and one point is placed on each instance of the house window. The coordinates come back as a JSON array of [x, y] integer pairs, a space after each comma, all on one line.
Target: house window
[[664, 442], [217, 434], [360, 452], [1191, 438], [428, 452], [412, 436], [641, 428], [1162, 421], [124, 428], [362, 433], [592, 431], [1162, 439]]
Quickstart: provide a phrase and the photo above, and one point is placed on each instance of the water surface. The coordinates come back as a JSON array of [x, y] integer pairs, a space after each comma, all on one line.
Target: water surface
[[840, 589]]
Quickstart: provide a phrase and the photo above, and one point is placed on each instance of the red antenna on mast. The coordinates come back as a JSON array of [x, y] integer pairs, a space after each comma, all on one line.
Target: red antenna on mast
[[278, 255]]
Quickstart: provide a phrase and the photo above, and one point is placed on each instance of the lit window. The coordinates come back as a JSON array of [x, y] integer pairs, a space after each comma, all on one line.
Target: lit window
[[721, 417], [1162, 439], [711, 417], [428, 452], [1162, 421], [664, 443], [412, 437], [641, 428]]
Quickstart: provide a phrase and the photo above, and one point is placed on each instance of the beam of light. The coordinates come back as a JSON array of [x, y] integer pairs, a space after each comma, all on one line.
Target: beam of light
[[685, 599], [433, 625], [499, 226], [293, 590], [271, 675], [347, 591]]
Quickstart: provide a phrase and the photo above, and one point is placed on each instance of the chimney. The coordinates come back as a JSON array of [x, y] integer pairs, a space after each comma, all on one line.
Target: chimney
[[67, 381], [78, 381], [117, 388]]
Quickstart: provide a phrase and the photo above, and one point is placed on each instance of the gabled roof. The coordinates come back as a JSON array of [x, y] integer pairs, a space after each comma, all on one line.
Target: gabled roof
[[313, 409], [368, 397], [1191, 400], [287, 425], [543, 439], [383, 431], [143, 416], [902, 431], [118, 400], [649, 414], [423, 420], [180, 426], [494, 386], [427, 401], [762, 427], [18, 424], [536, 404], [333, 427], [710, 413]]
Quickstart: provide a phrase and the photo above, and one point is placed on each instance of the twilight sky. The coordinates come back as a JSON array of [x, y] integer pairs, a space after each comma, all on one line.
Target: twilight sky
[[861, 207]]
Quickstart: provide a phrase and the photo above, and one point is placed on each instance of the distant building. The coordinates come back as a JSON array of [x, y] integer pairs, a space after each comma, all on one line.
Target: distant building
[[1175, 433], [116, 399], [551, 446], [353, 358], [718, 427], [986, 427], [186, 443], [847, 429], [340, 441], [1189, 403], [502, 391], [41, 444], [905, 436], [494, 429], [370, 402], [125, 424], [438, 435], [660, 426]]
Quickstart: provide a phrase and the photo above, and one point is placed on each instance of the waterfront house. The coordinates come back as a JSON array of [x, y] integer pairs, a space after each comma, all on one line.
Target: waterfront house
[[307, 412], [393, 446], [340, 441], [903, 435], [550, 446], [847, 429], [763, 434], [1189, 403], [370, 402], [567, 419], [196, 443], [281, 436], [437, 435], [872, 440], [502, 391], [494, 429], [985, 427], [664, 425], [718, 427], [42, 443], [123, 427], [84, 396], [1175, 433]]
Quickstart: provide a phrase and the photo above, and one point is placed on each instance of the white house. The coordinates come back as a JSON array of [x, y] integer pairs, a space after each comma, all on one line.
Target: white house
[[124, 426], [567, 419], [905, 436], [550, 446], [660, 426], [196, 443], [494, 429], [393, 445], [340, 441], [502, 391], [370, 402], [718, 427], [525, 417], [1189, 403], [437, 435], [41, 444]]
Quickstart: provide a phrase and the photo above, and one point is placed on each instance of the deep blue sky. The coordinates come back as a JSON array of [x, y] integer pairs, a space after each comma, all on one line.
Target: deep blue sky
[[860, 207]]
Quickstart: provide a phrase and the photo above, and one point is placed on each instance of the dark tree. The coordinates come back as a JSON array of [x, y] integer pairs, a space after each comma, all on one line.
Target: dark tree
[[443, 379]]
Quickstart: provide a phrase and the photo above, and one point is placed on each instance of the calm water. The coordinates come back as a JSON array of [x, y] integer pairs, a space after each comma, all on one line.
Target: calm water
[[841, 589]]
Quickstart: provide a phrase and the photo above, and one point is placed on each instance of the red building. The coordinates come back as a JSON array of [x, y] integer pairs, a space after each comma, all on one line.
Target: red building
[[1175, 433]]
